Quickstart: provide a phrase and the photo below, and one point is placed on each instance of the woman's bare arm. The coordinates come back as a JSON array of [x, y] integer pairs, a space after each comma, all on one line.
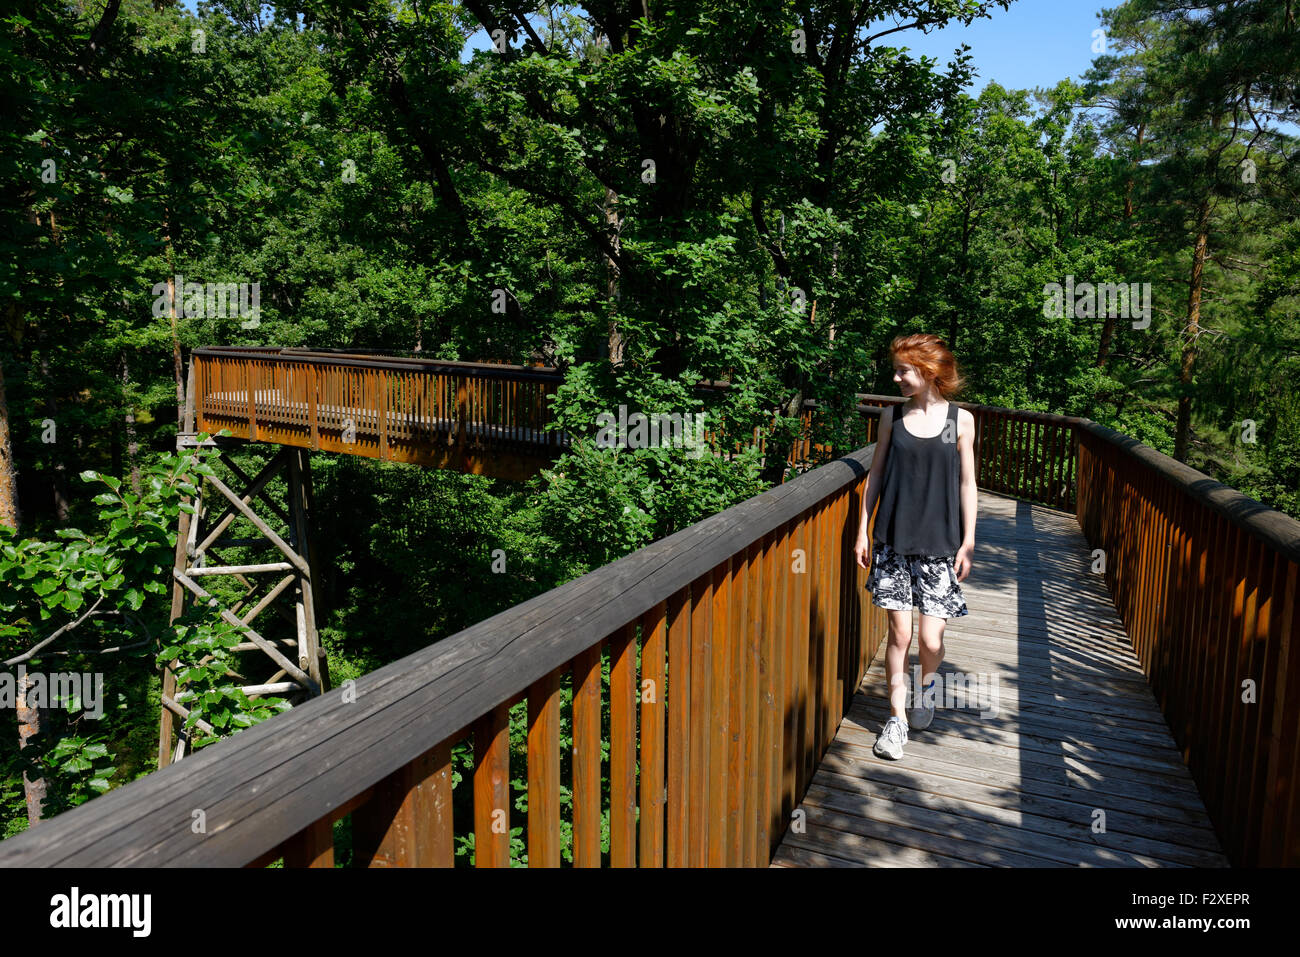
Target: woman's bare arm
[[876, 474], [969, 491]]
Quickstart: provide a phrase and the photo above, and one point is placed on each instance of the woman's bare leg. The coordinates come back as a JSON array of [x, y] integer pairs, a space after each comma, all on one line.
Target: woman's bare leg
[[930, 638], [900, 640]]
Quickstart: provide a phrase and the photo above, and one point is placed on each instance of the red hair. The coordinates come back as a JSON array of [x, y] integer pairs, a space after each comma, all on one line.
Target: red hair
[[932, 359]]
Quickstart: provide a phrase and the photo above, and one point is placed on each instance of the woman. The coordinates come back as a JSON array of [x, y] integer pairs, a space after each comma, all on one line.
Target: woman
[[923, 472]]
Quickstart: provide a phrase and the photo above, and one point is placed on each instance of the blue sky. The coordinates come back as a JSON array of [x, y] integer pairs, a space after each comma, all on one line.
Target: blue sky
[[1031, 43]]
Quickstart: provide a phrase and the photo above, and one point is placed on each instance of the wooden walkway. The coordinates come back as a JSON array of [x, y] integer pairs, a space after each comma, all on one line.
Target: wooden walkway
[[1076, 733]]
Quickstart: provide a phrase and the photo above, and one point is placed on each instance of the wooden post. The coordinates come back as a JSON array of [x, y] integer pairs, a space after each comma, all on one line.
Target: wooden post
[[312, 413], [249, 368], [586, 758], [166, 724], [492, 789], [381, 386], [300, 510], [184, 535]]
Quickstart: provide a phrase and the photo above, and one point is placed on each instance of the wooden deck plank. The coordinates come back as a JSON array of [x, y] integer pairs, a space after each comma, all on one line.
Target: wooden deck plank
[[1061, 698], [924, 830], [999, 767], [1035, 816], [1044, 733], [989, 841], [1076, 730], [868, 851]]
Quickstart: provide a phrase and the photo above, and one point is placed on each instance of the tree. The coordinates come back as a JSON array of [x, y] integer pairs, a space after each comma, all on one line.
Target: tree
[[1212, 80]]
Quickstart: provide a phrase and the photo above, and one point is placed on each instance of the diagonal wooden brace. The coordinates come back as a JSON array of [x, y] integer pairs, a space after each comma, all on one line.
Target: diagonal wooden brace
[[269, 649], [269, 471], [299, 562]]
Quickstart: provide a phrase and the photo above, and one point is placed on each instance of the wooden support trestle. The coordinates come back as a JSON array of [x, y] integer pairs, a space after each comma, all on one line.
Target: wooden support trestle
[[290, 648]]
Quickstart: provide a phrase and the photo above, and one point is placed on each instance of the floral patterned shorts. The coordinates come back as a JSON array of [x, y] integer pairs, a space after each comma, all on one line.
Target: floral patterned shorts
[[899, 582]]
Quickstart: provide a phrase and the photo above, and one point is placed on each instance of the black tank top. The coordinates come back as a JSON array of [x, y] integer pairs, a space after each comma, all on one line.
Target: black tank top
[[920, 500]]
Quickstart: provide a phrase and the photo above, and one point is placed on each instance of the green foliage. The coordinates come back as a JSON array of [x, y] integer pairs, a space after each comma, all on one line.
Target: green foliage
[[119, 566], [83, 765], [201, 649], [94, 589]]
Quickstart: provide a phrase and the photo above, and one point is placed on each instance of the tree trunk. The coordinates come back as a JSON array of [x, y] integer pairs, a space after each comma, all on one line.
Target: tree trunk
[[9, 514], [58, 469], [132, 447], [178, 369], [29, 727], [177, 364], [617, 345], [1199, 253], [1108, 326]]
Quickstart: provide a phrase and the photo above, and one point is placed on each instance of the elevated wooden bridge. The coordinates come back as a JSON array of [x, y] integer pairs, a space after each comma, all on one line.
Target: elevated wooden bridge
[[475, 417], [1133, 619]]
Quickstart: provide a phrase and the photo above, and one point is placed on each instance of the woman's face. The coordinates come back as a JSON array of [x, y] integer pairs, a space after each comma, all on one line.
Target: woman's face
[[908, 378]]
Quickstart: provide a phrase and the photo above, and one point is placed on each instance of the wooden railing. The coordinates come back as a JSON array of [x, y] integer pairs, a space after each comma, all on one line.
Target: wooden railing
[[751, 629], [478, 417], [468, 415], [733, 649], [1204, 579], [482, 417]]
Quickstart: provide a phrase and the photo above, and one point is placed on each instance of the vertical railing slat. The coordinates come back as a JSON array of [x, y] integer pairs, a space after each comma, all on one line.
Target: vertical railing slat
[[769, 727], [651, 691], [701, 711], [492, 788], [544, 771], [1279, 842], [1245, 713], [751, 732], [720, 731], [679, 729], [738, 687], [586, 758], [622, 747]]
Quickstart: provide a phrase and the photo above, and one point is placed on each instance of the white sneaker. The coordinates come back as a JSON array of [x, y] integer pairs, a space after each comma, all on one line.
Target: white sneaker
[[892, 738], [920, 718]]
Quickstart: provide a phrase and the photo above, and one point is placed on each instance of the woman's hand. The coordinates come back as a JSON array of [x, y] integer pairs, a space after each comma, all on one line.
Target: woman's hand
[[862, 551], [962, 562]]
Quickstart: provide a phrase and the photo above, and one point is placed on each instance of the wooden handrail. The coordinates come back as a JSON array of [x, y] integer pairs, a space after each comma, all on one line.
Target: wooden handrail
[[765, 662], [759, 611], [382, 361], [1205, 582]]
